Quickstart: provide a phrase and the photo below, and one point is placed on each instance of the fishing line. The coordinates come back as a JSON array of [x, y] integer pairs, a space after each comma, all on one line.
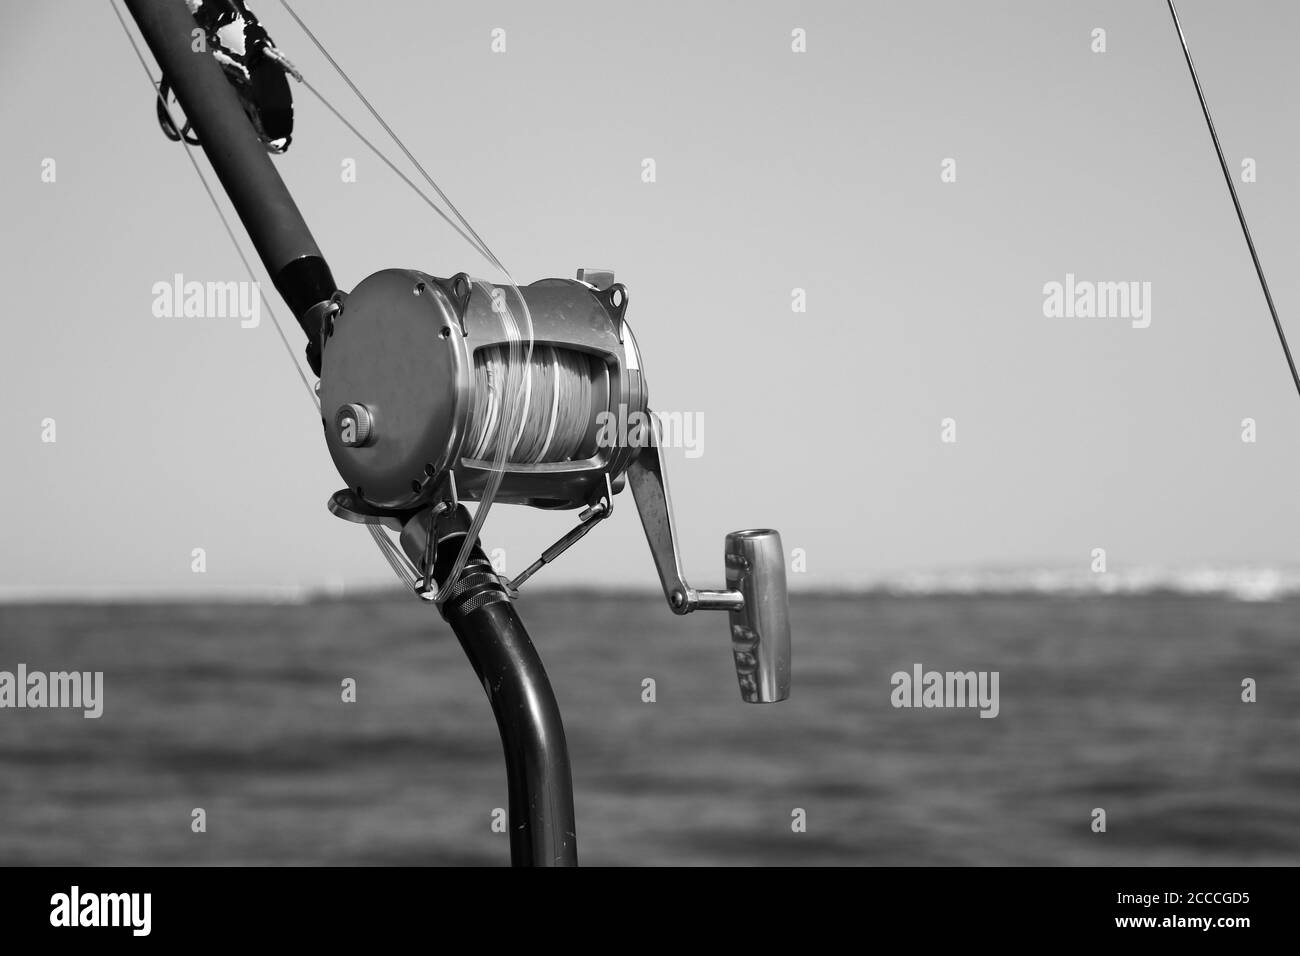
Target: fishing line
[[275, 321], [1236, 201], [482, 246], [396, 560], [389, 163]]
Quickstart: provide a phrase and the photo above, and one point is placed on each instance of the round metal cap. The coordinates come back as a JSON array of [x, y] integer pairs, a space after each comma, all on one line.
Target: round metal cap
[[355, 425]]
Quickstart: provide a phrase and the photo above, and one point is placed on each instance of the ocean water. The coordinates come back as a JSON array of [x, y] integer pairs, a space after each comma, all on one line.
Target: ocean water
[[1130, 703]]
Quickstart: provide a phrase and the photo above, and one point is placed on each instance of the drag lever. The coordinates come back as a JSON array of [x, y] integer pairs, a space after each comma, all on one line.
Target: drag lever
[[756, 588]]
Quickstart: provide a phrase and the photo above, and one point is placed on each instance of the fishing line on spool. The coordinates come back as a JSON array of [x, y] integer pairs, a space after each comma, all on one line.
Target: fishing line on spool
[[556, 416], [514, 387]]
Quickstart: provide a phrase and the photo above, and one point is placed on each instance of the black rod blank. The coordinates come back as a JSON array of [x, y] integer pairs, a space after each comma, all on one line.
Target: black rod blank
[[240, 160]]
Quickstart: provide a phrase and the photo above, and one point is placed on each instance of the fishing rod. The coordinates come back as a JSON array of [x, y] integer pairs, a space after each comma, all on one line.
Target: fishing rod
[[437, 391], [1236, 200]]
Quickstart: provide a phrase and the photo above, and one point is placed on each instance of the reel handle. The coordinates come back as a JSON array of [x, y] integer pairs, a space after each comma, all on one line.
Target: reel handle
[[755, 596], [760, 627]]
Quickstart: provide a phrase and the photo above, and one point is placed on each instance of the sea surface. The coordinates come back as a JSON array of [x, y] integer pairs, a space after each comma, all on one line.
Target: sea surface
[[1128, 703]]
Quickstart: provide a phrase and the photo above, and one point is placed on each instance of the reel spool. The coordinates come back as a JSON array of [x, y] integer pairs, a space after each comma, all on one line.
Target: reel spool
[[431, 395]]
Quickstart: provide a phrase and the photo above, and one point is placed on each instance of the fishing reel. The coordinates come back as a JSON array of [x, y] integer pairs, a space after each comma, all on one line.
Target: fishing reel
[[438, 391]]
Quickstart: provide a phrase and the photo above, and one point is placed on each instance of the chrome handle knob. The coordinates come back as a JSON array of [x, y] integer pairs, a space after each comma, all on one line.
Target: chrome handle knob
[[760, 627]]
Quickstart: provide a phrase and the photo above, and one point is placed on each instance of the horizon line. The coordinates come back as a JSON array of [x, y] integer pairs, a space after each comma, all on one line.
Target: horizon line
[[1242, 582]]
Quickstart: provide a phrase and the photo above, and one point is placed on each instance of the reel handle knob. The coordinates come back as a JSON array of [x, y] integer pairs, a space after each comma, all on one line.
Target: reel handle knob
[[760, 627]]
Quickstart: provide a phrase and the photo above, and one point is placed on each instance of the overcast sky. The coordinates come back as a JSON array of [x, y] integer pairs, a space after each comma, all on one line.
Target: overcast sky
[[775, 170]]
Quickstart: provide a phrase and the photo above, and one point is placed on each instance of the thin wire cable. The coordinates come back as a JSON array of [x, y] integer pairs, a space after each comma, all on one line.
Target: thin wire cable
[[1236, 201], [139, 55]]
